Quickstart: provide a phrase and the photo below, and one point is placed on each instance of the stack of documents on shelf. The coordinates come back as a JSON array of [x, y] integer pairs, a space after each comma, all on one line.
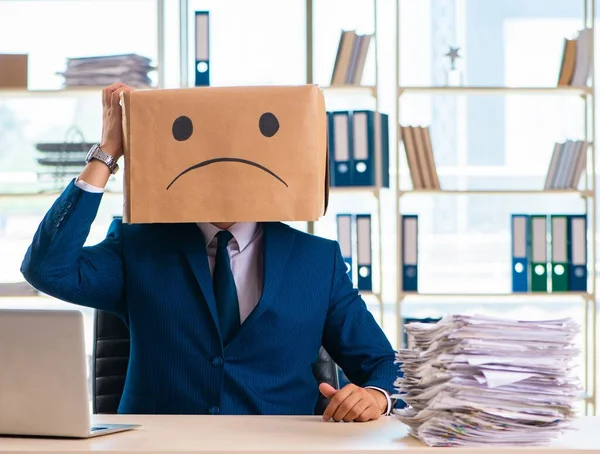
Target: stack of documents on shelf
[[130, 69], [486, 381], [568, 163]]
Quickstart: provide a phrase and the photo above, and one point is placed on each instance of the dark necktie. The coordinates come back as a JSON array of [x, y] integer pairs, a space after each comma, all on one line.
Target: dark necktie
[[224, 288]]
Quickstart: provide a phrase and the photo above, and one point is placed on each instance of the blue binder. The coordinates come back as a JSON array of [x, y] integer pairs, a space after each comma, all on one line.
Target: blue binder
[[370, 140], [341, 139], [520, 247], [577, 252], [331, 148], [363, 148], [344, 235], [202, 51], [385, 150], [410, 252], [363, 252]]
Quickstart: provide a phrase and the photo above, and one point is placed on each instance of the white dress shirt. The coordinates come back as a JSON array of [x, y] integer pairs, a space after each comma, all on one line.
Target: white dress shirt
[[246, 258]]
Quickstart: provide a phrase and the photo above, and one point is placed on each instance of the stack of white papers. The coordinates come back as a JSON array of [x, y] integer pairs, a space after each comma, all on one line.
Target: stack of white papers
[[485, 381], [130, 69]]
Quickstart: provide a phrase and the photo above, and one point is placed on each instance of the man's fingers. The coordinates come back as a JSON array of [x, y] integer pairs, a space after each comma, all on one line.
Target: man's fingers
[[351, 403], [344, 408], [114, 98], [353, 406], [371, 412], [359, 407], [329, 411], [105, 97], [108, 92], [115, 86], [116, 95], [339, 397], [327, 390]]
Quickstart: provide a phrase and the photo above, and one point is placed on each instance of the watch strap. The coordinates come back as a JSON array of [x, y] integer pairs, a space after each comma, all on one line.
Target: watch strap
[[97, 153]]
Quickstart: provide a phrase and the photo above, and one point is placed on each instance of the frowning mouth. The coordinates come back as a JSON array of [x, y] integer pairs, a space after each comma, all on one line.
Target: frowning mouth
[[216, 160]]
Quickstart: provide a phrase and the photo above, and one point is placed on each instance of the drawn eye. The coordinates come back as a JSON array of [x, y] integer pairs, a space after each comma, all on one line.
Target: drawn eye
[[182, 128], [268, 124]]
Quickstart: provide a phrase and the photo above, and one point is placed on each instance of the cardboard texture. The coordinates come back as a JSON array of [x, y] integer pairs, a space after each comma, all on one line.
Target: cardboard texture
[[225, 154], [13, 70]]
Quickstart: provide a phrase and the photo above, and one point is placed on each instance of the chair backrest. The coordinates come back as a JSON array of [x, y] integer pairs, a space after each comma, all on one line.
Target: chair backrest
[[325, 371], [109, 362], [111, 359]]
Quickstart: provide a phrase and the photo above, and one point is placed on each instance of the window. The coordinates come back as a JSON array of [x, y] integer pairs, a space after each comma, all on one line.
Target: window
[[50, 32], [480, 141], [486, 142]]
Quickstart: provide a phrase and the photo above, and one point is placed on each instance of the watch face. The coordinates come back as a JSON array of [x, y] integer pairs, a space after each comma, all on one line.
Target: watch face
[[96, 153], [90, 154]]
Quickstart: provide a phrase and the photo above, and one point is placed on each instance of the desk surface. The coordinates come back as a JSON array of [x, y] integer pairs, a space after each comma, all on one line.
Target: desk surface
[[272, 434]]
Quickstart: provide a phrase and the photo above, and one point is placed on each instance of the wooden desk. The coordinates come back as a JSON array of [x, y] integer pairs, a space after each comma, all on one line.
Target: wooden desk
[[271, 434]]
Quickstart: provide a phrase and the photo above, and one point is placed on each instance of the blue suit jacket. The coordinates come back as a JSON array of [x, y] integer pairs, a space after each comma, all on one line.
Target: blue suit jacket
[[156, 277]]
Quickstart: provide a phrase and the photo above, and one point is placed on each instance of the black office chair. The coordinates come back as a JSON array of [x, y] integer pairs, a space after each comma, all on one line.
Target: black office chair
[[111, 358]]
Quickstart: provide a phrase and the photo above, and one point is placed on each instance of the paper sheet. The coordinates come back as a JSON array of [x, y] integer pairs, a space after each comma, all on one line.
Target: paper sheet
[[488, 381]]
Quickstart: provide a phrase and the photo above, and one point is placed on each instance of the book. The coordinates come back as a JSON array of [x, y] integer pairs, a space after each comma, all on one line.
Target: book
[[420, 157], [567, 164], [350, 58], [576, 60]]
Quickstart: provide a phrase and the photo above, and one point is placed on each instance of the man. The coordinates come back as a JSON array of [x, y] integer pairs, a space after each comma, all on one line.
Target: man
[[224, 317]]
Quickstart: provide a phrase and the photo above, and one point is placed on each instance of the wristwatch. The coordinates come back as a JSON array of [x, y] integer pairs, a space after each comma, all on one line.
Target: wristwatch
[[96, 153]]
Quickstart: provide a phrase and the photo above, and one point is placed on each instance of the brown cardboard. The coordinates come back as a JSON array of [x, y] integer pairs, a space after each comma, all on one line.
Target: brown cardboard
[[13, 70], [232, 168]]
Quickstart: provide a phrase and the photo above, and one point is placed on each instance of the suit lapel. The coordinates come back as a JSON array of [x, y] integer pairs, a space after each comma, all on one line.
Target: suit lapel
[[278, 244], [278, 241], [191, 243]]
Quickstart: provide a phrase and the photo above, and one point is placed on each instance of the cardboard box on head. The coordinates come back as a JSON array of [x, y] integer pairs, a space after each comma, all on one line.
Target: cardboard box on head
[[225, 154]]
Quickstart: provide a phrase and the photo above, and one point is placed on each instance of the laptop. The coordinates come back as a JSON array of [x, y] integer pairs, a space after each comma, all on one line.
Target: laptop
[[43, 376]]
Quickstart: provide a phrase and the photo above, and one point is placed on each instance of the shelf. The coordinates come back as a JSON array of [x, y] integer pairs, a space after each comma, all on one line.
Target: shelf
[[349, 89], [368, 294], [483, 171], [90, 91], [367, 190], [109, 191], [582, 193], [510, 296], [475, 90], [65, 92]]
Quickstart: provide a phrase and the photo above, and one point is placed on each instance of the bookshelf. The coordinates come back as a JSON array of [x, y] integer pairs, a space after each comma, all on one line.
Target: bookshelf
[[481, 90], [350, 89], [375, 192], [588, 195], [65, 92], [21, 179], [500, 296], [551, 192]]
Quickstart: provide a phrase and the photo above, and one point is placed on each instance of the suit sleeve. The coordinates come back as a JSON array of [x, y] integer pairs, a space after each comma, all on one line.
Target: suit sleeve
[[58, 264], [352, 336]]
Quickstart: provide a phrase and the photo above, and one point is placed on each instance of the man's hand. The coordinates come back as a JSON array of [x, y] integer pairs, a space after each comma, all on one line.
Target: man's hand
[[112, 131], [97, 173], [353, 403]]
